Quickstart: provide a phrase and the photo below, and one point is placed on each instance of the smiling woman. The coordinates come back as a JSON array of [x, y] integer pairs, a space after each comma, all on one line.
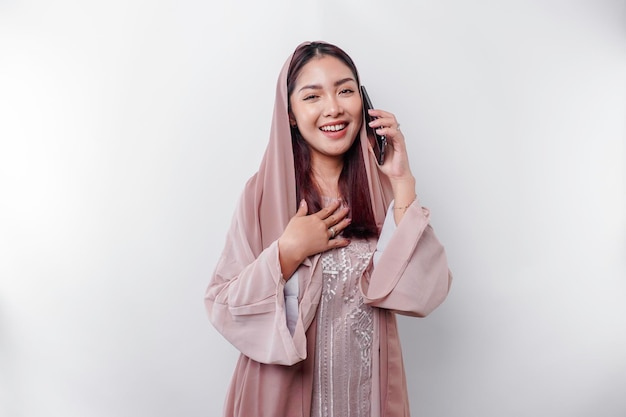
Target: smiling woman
[[325, 247]]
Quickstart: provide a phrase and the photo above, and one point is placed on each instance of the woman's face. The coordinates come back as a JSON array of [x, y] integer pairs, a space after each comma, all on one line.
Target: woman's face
[[326, 107]]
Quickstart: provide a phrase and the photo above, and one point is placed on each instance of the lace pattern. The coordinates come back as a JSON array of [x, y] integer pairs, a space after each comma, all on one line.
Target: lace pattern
[[345, 326]]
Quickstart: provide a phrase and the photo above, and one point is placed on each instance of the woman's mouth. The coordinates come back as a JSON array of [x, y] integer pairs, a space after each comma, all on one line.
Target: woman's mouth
[[334, 128]]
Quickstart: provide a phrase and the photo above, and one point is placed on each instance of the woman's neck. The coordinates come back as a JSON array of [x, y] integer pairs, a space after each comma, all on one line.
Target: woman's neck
[[326, 176]]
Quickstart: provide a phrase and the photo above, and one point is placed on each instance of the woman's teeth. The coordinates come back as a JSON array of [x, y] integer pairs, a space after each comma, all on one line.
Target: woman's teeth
[[333, 128]]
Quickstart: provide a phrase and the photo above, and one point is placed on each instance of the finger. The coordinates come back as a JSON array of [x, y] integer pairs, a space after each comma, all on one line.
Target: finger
[[327, 211], [389, 131], [337, 243], [336, 217], [339, 227], [383, 119], [335, 231], [381, 114], [378, 113], [303, 209], [388, 122]]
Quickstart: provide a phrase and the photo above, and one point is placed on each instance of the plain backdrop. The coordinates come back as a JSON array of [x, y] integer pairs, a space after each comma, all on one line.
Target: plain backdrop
[[127, 131]]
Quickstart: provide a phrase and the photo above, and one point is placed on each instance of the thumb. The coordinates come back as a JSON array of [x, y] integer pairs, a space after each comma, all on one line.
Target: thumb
[[303, 209]]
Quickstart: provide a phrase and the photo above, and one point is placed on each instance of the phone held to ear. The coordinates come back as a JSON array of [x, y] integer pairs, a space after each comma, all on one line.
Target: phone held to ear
[[378, 142]]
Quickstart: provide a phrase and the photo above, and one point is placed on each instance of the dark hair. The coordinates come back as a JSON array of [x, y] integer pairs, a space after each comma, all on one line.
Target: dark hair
[[353, 184]]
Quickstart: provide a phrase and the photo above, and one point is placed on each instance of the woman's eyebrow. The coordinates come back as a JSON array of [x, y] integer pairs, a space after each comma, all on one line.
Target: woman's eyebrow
[[345, 80], [319, 87]]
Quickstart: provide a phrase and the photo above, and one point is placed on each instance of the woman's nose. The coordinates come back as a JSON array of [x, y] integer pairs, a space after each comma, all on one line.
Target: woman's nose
[[333, 107]]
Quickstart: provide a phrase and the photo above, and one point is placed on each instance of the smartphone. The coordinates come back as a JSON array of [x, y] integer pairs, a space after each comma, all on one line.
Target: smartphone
[[378, 142]]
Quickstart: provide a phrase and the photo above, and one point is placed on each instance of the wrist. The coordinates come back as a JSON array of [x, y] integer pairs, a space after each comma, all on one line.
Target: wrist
[[289, 252], [288, 258], [403, 191]]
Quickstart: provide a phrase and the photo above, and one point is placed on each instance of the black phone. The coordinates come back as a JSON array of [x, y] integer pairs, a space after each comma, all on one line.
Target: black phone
[[378, 142]]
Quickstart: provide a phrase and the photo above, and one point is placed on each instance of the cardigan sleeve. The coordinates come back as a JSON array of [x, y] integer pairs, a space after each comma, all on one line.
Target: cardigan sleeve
[[245, 302], [389, 227], [411, 274]]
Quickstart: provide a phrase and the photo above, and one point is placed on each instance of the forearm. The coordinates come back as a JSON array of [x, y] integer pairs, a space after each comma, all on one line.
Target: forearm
[[403, 196]]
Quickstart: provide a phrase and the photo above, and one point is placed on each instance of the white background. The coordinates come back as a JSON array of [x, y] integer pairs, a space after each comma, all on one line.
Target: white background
[[127, 130]]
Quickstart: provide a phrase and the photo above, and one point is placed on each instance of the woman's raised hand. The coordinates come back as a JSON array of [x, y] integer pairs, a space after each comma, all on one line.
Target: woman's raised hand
[[309, 234], [396, 165]]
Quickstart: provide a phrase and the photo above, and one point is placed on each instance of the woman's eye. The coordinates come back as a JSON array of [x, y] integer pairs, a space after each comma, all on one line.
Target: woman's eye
[[346, 91], [309, 97]]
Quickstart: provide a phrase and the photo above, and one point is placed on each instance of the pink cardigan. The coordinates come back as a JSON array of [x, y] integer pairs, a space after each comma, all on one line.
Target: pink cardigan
[[273, 375]]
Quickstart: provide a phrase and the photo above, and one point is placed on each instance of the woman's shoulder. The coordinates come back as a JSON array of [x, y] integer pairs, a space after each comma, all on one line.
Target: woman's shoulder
[[250, 186]]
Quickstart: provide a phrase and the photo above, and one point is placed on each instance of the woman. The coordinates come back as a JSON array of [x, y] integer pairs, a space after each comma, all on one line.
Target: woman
[[324, 248]]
